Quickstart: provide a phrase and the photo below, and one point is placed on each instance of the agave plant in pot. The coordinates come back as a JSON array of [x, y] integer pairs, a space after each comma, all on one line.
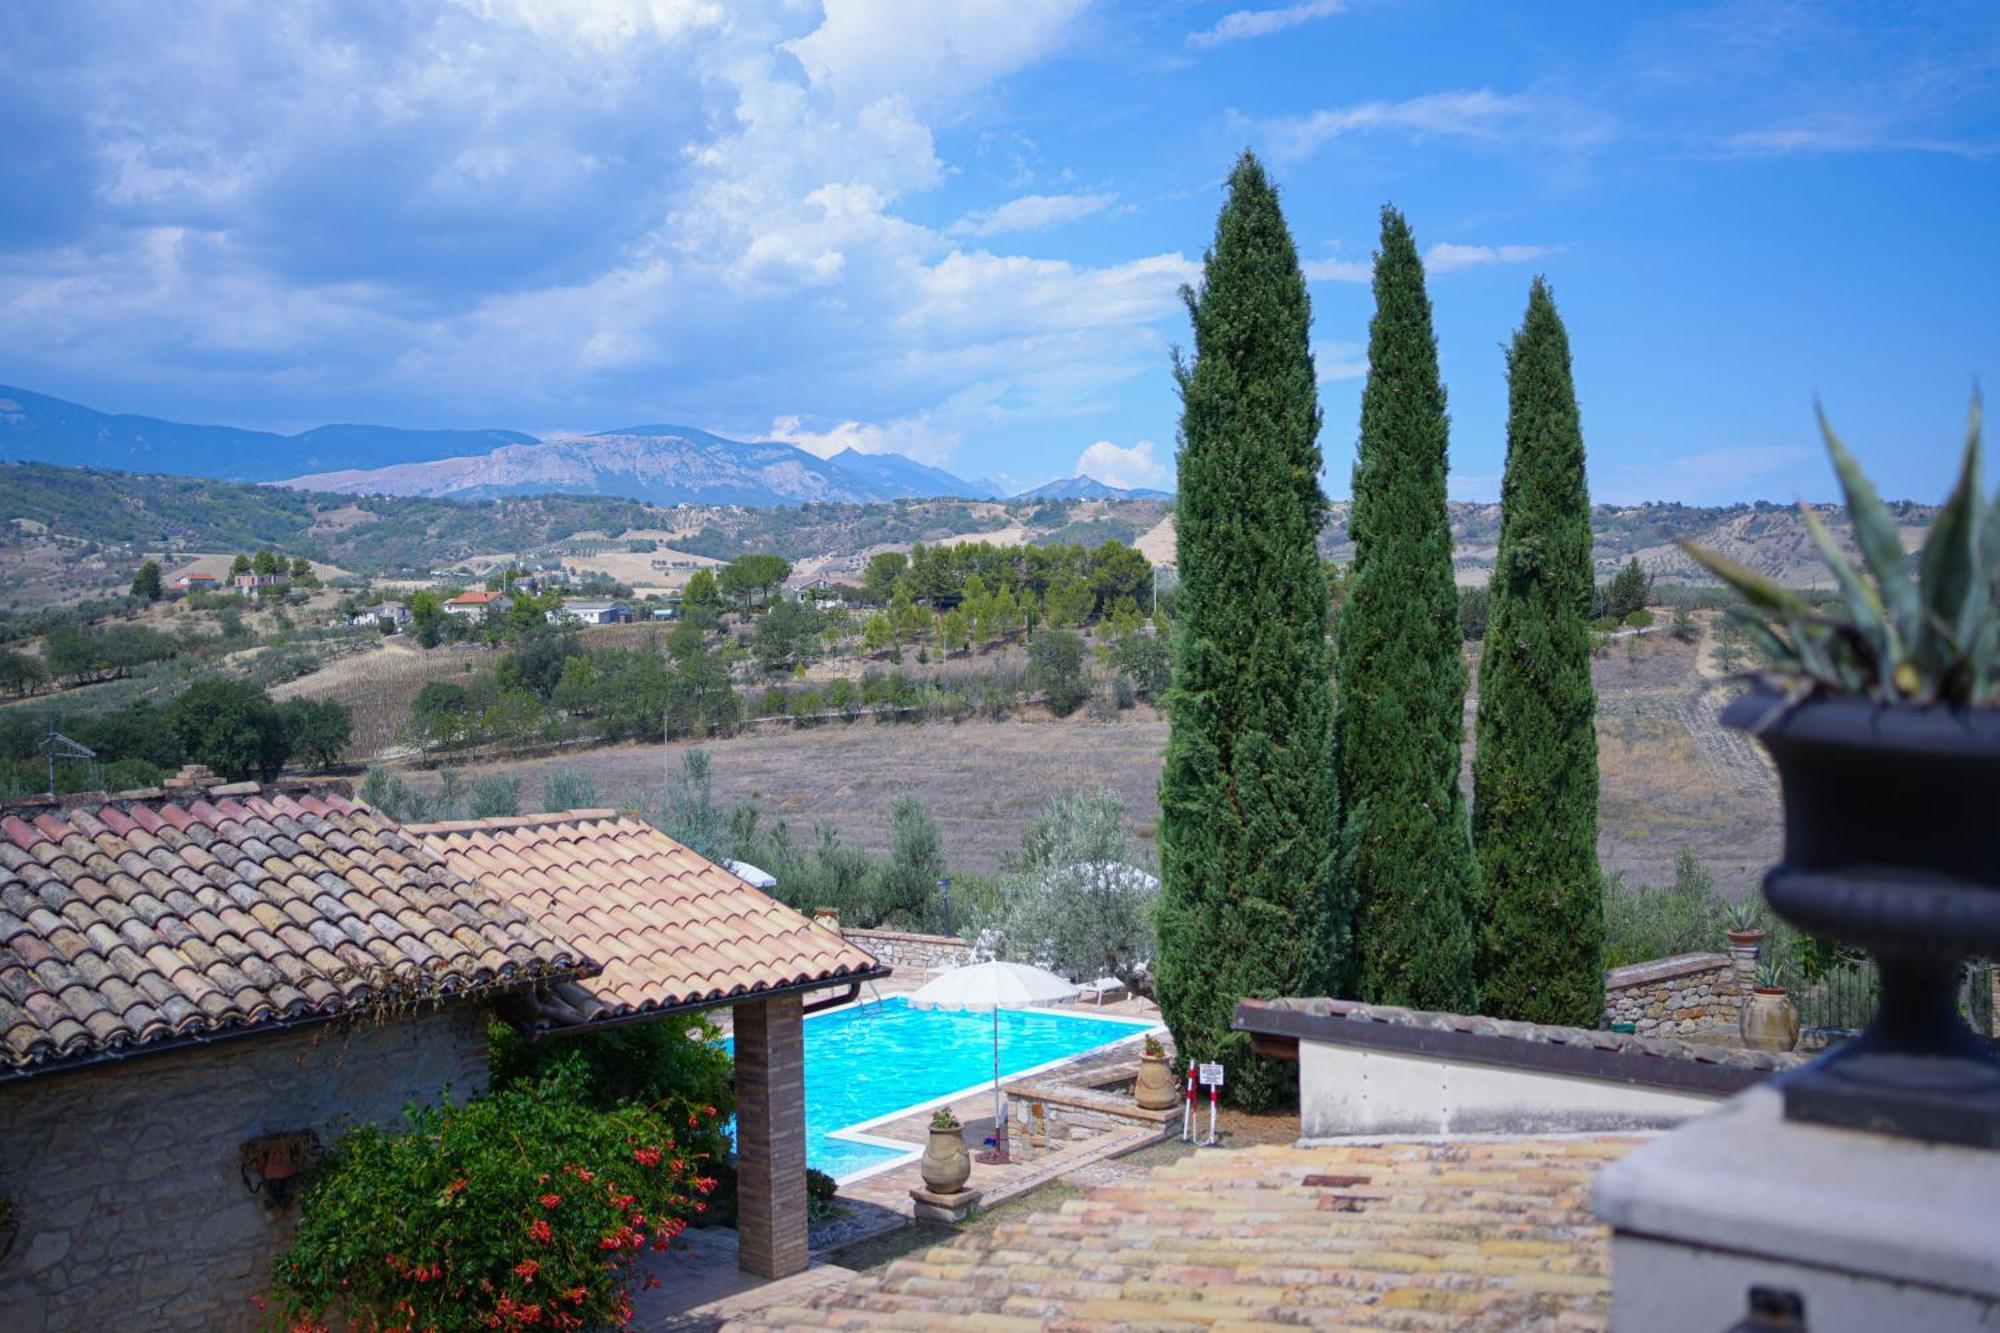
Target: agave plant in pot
[[1882, 715]]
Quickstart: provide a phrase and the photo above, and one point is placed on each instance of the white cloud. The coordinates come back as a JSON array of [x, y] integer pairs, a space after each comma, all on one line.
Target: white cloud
[[925, 437], [1850, 136], [1337, 361], [1031, 212], [927, 51], [1444, 256], [1476, 116], [689, 223], [1338, 270], [1126, 466], [1262, 22]]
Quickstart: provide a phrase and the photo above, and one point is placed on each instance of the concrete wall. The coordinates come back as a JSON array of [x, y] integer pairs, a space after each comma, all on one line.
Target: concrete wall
[[126, 1177], [912, 953], [1346, 1090], [1695, 996]]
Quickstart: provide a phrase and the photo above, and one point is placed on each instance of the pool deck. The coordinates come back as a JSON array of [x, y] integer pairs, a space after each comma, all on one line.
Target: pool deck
[[701, 1288]]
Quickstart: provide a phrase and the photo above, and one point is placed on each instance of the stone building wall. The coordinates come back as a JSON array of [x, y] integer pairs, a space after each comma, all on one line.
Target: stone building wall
[[912, 953], [126, 1177], [1695, 996]]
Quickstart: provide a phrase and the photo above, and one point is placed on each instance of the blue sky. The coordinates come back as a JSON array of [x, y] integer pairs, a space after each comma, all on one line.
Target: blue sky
[[958, 229]]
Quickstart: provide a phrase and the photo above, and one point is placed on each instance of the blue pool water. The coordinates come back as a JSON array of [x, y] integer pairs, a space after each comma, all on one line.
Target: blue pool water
[[871, 1060]]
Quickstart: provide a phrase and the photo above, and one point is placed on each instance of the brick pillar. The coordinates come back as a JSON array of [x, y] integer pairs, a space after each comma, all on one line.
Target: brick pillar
[[771, 1137]]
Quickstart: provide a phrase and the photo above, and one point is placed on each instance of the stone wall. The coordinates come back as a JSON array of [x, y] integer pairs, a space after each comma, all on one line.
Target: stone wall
[[912, 953], [1695, 996], [126, 1177]]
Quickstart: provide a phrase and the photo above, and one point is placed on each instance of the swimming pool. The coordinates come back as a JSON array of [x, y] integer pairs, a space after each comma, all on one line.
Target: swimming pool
[[877, 1061]]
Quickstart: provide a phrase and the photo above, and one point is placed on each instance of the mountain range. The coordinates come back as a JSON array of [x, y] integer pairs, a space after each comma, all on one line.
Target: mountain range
[[662, 464]]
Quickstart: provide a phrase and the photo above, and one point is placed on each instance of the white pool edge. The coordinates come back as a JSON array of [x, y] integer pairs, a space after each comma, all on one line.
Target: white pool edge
[[857, 1132]]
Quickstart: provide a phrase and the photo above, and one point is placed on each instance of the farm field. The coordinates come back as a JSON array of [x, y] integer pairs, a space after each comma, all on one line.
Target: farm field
[[1671, 776]]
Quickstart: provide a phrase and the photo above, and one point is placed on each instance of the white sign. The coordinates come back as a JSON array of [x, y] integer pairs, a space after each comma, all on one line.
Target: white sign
[[1211, 1076]]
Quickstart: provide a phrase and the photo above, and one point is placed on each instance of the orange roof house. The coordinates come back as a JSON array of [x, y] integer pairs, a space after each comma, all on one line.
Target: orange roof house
[[672, 929], [674, 932], [197, 982]]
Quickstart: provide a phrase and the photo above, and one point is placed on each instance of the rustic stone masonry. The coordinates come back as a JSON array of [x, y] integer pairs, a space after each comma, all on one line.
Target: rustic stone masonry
[[126, 1177], [1046, 1113], [912, 953], [1695, 996], [771, 1136]]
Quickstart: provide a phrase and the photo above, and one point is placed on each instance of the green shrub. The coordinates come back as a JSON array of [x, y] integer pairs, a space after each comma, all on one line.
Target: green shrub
[[568, 789], [676, 1065], [525, 1208], [1055, 659], [1643, 923]]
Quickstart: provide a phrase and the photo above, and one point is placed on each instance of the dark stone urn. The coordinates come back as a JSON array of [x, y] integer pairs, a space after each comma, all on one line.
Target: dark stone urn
[[1892, 843]]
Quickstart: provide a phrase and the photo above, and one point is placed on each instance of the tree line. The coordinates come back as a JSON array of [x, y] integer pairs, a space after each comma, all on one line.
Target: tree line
[[1314, 838], [230, 725]]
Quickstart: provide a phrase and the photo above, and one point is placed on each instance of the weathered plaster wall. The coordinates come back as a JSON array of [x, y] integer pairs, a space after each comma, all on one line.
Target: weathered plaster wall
[[1346, 1090], [126, 1177]]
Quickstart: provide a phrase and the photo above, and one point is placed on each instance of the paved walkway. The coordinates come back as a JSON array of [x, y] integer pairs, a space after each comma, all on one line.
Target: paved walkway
[[1460, 1234]]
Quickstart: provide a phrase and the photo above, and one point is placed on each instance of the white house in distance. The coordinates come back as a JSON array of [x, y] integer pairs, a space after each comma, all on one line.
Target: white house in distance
[[593, 613], [476, 602], [396, 613]]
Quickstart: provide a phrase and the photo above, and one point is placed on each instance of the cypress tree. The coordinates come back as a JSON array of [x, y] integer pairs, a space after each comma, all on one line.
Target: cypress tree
[[1406, 843], [1248, 815], [1534, 820]]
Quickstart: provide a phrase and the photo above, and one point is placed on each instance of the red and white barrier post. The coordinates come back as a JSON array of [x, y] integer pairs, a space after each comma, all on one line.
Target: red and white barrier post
[[1187, 1111]]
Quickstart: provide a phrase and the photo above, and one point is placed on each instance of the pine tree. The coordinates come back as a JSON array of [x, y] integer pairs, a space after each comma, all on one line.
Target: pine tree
[[146, 583], [1534, 819], [1406, 845], [1249, 904]]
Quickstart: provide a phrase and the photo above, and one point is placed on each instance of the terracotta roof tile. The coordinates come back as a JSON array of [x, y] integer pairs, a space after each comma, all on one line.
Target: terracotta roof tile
[[670, 927], [1463, 1234], [136, 919]]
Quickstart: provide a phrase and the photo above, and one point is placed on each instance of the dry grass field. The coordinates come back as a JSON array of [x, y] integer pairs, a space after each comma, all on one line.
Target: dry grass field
[[377, 686], [1671, 776]]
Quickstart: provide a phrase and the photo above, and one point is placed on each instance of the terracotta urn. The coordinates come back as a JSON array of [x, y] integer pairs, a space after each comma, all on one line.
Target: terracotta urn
[[946, 1166], [1155, 1089], [1769, 1022], [1744, 939]]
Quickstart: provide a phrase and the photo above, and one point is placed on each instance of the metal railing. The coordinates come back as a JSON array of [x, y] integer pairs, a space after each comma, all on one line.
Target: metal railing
[[1838, 1004]]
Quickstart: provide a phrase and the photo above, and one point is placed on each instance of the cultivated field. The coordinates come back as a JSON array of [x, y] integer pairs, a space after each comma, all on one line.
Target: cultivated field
[[378, 686], [1671, 776]]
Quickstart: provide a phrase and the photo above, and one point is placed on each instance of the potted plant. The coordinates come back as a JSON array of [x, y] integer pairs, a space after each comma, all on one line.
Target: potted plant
[[946, 1166], [1154, 1090], [1881, 712], [1769, 1021], [1742, 924]]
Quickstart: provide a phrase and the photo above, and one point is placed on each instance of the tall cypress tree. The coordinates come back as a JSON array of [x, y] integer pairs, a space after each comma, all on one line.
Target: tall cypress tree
[[1534, 809], [1248, 819], [1407, 847]]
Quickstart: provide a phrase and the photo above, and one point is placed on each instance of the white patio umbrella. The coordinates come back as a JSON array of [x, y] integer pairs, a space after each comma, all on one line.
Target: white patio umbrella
[[992, 986]]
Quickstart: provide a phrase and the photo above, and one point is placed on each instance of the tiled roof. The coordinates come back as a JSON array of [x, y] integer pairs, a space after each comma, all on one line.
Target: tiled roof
[[1621, 1054], [1460, 1234], [671, 928], [132, 920], [479, 598]]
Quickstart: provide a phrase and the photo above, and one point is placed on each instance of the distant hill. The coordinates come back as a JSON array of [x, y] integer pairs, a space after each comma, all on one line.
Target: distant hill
[[36, 427], [664, 464], [54, 515], [892, 476], [1090, 488]]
